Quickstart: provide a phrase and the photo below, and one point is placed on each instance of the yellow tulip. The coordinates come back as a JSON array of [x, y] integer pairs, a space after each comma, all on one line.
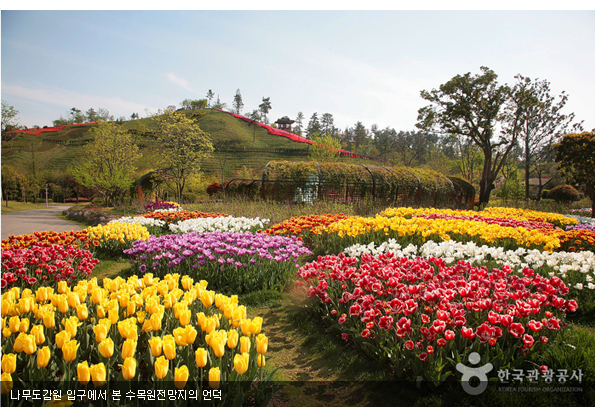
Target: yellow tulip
[[244, 344], [128, 329], [24, 305], [156, 346], [19, 343], [98, 374], [156, 321], [113, 315], [161, 367], [262, 344], [100, 332], [181, 377], [101, 312], [37, 332], [61, 338], [169, 347], [106, 347], [260, 361], [60, 302], [256, 325], [13, 324], [179, 335], [43, 294], [6, 332], [73, 299], [185, 316], [96, 296], [201, 357], [71, 325], [214, 377], [128, 348], [9, 362], [82, 312], [232, 338], [6, 379], [69, 350], [187, 282], [131, 309], [190, 333], [240, 363], [24, 325], [207, 297], [62, 287], [83, 373], [29, 345], [43, 357], [49, 319], [129, 368], [217, 343]]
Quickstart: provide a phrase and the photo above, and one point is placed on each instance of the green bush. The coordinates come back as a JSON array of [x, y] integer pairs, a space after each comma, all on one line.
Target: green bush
[[564, 193]]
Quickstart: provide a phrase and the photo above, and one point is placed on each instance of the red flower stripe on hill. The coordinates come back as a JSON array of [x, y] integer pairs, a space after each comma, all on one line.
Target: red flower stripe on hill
[[37, 132], [283, 133]]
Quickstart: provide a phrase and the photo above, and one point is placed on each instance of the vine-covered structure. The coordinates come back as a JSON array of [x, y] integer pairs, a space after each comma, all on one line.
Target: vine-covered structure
[[308, 181]]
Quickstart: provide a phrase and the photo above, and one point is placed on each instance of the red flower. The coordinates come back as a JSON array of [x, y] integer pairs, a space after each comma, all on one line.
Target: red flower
[[430, 349], [366, 333], [345, 337], [449, 335], [535, 326], [441, 342], [423, 356], [528, 340], [516, 330], [543, 369], [385, 322], [342, 319], [467, 333], [409, 345]]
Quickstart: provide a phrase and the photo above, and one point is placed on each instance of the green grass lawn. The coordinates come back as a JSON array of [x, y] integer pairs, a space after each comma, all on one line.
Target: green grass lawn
[[14, 206]]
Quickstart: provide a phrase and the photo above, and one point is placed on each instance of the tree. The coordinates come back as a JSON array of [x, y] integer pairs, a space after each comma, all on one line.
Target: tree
[[198, 104], [313, 126], [237, 104], [541, 121], [384, 140], [575, 156], [109, 162], [265, 107], [9, 117], [324, 148], [91, 115], [186, 104], [11, 180], [413, 147], [360, 136], [210, 96], [466, 157], [327, 124], [183, 147], [219, 104], [473, 107], [299, 123]]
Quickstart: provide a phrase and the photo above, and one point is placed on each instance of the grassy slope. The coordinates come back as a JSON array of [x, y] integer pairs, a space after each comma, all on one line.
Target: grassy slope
[[61, 150]]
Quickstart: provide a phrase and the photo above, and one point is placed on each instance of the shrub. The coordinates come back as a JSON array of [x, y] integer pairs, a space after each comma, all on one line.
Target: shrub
[[564, 193]]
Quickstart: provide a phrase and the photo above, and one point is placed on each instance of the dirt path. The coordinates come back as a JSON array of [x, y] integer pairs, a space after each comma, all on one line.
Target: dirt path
[[26, 222]]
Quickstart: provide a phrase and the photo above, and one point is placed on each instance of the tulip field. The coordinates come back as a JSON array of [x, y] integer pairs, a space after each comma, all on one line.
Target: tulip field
[[415, 293]]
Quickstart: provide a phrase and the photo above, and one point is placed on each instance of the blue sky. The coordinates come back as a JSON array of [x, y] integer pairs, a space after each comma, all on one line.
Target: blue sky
[[367, 66]]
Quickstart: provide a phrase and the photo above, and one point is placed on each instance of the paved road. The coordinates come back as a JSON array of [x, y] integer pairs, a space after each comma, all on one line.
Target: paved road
[[26, 222]]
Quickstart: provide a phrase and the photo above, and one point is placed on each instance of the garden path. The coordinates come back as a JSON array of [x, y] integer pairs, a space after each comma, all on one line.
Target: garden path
[[26, 222]]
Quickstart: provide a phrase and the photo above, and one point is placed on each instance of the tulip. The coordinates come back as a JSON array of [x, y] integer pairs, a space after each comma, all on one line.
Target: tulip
[[62, 337], [9, 362], [244, 344], [14, 323], [62, 287], [232, 338], [106, 348], [161, 366], [83, 373], [37, 332], [129, 368], [49, 319], [218, 344], [29, 345], [24, 305], [69, 350], [113, 315], [71, 325], [61, 303], [240, 363], [6, 332], [179, 335], [156, 321], [24, 325], [207, 298], [101, 313], [98, 374], [169, 347], [185, 316], [190, 333], [43, 357], [261, 361], [156, 346], [100, 332], [6, 379], [19, 343], [201, 357], [73, 299], [262, 344], [214, 377], [128, 348], [256, 325], [82, 312], [181, 377]]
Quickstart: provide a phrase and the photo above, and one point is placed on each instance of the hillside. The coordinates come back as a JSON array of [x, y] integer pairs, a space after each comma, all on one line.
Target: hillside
[[237, 144]]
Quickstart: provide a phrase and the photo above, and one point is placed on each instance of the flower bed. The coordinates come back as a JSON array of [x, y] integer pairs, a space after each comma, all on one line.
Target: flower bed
[[423, 317], [47, 238], [113, 238], [133, 332], [230, 262], [44, 265], [162, 205], [223, 224], [173, 216], [303, 226]]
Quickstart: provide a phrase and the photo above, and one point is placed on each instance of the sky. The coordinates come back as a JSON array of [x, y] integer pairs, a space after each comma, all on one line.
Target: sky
[[358, 65]]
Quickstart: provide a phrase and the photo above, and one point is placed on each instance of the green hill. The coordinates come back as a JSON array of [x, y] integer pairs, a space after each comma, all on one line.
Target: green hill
[[238, 144]]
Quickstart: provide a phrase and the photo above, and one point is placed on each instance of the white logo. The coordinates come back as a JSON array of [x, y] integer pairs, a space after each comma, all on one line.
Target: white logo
[[470, 372]]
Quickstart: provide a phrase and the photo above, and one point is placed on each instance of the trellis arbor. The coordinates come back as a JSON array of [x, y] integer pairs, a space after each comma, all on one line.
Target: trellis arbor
[[307, 181]]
